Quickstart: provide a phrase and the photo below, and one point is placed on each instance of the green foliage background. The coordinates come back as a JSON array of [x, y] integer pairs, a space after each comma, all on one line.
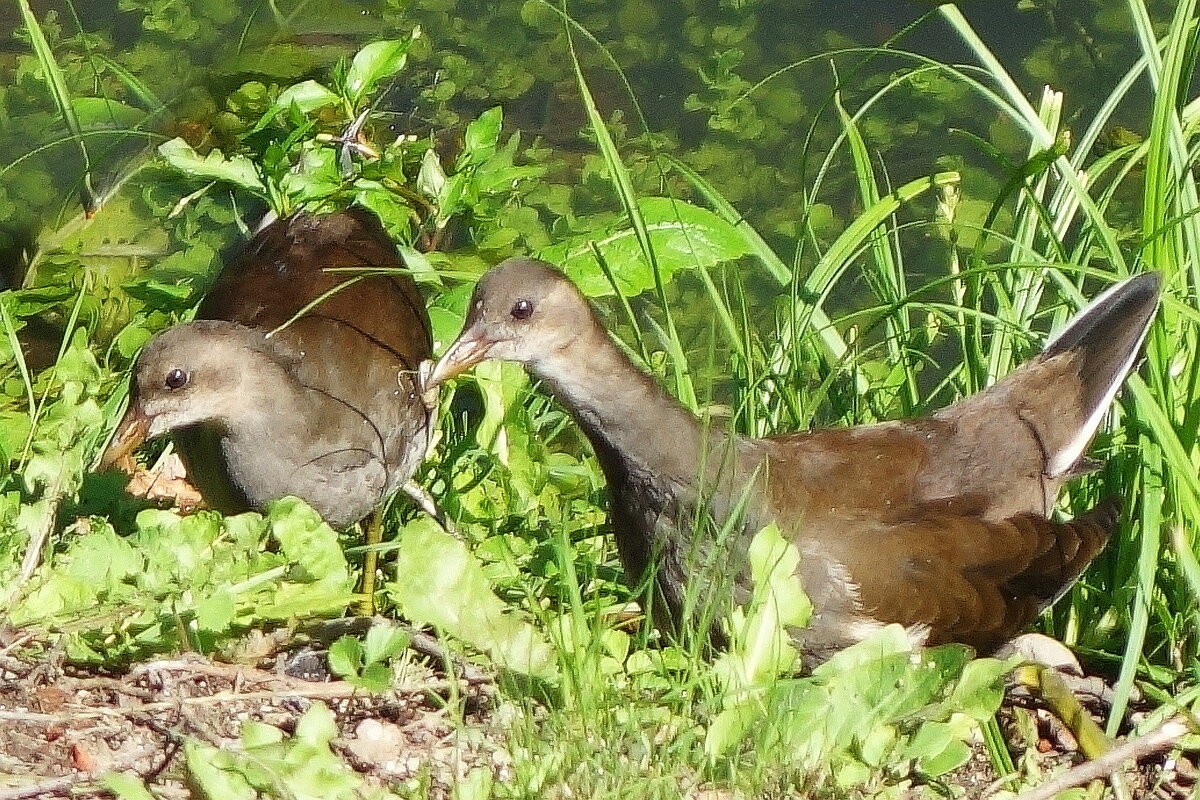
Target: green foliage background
[[789, 220]]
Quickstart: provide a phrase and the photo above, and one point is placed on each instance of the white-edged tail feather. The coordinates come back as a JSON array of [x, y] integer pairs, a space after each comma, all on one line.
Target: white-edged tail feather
[[1109, 333]]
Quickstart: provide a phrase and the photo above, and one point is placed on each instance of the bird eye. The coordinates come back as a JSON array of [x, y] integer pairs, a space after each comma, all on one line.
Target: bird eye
[[176, 379], [522, 309]]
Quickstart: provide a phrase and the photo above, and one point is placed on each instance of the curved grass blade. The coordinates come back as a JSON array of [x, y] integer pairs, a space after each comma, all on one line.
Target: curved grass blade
[[57, 84], [623, 184]]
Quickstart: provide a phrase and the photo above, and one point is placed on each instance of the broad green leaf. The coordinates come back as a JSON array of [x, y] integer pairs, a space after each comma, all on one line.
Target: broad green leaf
[[937, 748], [346, 656], [238, 170], [375, 62], [305, 539], [444, 585], [887, 641], [307, 96], [683, 236], [317, 727], [215, 612], [94, 112], [256, 735]]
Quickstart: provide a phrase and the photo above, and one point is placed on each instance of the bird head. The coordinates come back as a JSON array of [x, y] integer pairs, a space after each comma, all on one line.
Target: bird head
[[191, 374], [522, 310]]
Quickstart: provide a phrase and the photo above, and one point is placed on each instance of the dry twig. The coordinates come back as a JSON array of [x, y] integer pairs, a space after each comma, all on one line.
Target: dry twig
[[320, 691], [1131, 750], [41, 788]]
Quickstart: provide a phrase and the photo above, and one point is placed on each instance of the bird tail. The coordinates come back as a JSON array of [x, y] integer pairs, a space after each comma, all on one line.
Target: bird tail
[[1103, 342]]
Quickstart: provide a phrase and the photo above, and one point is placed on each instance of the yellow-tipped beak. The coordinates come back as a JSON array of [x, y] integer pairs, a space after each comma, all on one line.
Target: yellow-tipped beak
[[467, 351], [130, 434]]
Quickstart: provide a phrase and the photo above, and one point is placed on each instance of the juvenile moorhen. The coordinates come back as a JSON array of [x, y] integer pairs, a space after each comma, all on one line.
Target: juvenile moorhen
[[939, 524], [298, 376]]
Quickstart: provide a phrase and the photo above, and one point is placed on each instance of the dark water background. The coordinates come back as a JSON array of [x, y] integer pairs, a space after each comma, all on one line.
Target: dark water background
[[686, 61]]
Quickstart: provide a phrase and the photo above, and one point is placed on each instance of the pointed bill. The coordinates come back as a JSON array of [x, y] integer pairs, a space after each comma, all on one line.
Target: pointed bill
[[468, 350], [130, 434]]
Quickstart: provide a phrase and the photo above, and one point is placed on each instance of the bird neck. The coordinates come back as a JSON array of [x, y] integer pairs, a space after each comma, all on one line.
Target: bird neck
[[630, 420], [277, 395]]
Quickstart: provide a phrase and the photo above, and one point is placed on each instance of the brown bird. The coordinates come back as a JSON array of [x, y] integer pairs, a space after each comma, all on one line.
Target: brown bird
[[939, 524], [298, 376]]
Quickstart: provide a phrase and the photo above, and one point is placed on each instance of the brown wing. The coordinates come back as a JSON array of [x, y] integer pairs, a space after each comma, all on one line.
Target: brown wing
[[356, 351], [293, 261], [966, 579]]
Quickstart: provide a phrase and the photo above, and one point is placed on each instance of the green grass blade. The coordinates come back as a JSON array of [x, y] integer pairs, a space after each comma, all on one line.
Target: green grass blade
[[1042, 137], [886, 272], [843, 250], [1189, 566], [623, 184], [1166, 159], [10, 333], [57, 84], [1153, 496]]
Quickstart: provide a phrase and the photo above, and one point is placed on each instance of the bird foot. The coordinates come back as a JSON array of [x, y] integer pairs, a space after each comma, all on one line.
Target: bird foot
[[1042, 649]]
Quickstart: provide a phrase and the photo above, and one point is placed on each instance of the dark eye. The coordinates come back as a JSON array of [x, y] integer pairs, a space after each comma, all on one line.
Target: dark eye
[[176, 379], [522, 309]]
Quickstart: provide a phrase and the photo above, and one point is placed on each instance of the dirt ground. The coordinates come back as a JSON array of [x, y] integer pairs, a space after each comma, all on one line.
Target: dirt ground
[[60, 729]]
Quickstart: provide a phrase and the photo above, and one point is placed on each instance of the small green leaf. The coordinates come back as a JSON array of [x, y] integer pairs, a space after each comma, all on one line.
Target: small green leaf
[[259, 734], [307, 96], [384, 641], [876, 746], [238, 170], [981, 687], [346, 657], [431, 179], [317, 727], [937, 749], [213, 781], [729, 727], [375, 62], [482, 134], [215, 612], [126, 787], [375, 678]]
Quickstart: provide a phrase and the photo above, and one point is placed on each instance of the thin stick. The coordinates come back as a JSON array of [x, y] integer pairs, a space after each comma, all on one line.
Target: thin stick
[[42, 788], [319, 691], [1131, 750]]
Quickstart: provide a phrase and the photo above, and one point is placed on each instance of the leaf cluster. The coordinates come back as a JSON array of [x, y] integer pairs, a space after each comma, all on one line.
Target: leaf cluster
[[196, 582]]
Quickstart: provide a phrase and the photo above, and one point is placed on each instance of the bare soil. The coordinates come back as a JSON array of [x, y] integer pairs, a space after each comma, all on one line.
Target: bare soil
[[60, 730]]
